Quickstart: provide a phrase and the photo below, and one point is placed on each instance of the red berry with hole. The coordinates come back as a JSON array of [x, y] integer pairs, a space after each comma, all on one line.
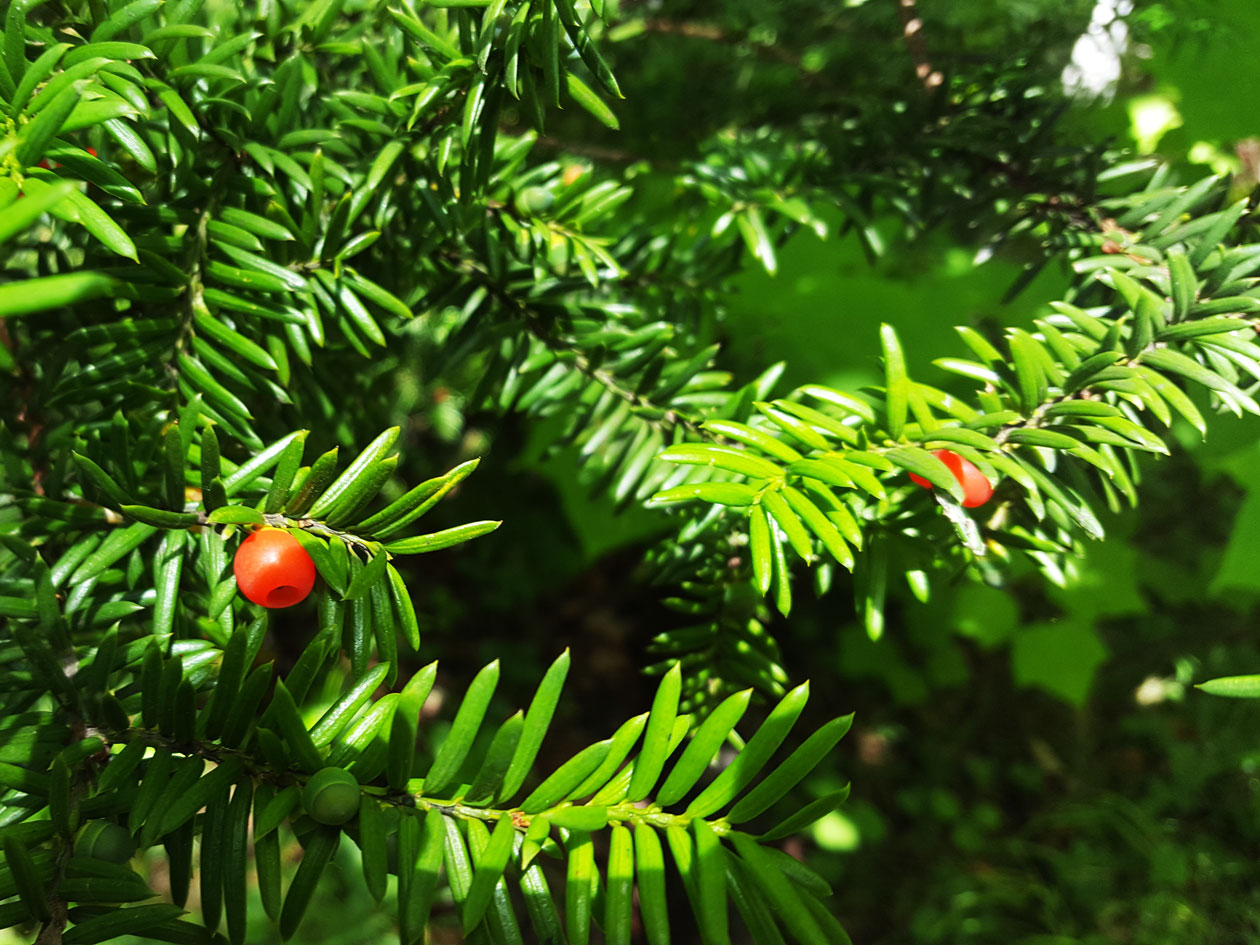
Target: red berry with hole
[[976, 488], [273, 569]]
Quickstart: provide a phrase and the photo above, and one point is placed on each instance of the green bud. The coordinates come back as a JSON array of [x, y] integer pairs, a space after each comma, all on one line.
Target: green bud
[[103, 840], [534, 200], [331, 796]]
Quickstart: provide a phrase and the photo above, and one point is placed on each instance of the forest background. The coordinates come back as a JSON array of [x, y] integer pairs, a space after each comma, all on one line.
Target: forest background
[[1029, 761]]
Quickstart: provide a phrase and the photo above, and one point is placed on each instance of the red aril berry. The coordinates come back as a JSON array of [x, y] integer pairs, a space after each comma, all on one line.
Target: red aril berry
[[273, 569], [976, 488]]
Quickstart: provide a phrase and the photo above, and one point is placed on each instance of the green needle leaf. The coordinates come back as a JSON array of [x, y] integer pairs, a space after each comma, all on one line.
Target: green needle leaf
[[537, 720], [749, 762], [618, 900], [1235, 687], [488, 872], [704, 745], [656, 738], [566, 778], [577, 898], [356, 472], [347, 707], [372, 841], [786, 902], [367, 576], [463, 730], [711, 884], [650, 871], [490, 775], [791, 771], [135, 920], [318, 848], [443, 539]]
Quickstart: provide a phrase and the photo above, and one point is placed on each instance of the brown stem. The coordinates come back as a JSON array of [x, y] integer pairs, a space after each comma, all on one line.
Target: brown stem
[[912, 30], [51, 932]]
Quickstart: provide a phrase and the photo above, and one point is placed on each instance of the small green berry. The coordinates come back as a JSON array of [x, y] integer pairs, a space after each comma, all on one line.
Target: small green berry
[[331, 796], [534, 200], [102, 840]]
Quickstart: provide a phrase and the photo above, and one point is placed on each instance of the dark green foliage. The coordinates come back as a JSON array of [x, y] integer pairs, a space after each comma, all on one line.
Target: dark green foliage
[[242, 240]]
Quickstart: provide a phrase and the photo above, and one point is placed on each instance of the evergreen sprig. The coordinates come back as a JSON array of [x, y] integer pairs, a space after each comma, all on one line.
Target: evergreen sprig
[[188, 748], [228, 227], [1059, 415]]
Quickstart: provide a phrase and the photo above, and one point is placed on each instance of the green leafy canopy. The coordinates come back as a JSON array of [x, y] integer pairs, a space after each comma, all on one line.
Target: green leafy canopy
[[242, 238]]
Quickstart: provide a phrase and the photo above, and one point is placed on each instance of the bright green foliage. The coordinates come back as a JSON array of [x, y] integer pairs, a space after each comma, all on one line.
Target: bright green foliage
[[817, 469], [159, 798], [288, 205]]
